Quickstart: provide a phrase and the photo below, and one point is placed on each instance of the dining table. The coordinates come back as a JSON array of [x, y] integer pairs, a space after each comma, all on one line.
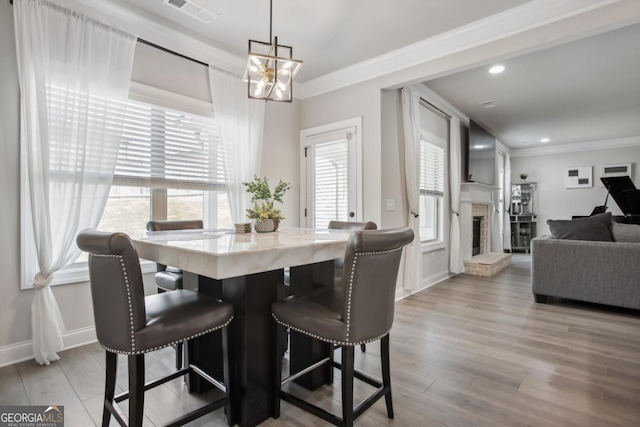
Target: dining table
[[247, 270]]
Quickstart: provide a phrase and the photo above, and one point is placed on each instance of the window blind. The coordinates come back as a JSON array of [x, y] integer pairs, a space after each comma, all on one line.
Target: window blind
[[331, 177], [431, 168], [165, 148]]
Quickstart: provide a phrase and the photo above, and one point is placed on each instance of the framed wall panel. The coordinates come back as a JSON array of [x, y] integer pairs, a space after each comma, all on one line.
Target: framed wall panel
[[578, 177]]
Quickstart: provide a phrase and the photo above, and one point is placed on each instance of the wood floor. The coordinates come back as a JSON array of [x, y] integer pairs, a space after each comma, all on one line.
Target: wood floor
[[470, 351]]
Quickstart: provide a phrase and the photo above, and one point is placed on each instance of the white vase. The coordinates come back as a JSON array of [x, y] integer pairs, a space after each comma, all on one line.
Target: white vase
[[265, 225]]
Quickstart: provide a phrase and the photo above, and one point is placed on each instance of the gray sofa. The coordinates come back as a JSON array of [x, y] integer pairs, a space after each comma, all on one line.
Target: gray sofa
[[592, 271]]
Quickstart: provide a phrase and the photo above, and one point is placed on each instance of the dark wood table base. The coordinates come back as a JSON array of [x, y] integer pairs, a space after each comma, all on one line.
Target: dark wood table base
[[252, 337]]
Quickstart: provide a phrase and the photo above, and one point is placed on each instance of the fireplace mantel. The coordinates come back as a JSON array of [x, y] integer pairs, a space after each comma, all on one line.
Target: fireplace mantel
[[475, 192]]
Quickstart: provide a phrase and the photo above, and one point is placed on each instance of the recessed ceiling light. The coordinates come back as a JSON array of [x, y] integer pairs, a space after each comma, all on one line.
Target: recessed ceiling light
[[496, 69], [545, 140]]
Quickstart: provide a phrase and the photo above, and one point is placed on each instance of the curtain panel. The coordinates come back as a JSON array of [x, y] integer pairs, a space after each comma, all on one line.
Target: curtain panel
[[456, 264], [412, 268], [506, 229], [240, 123], [74, 75]]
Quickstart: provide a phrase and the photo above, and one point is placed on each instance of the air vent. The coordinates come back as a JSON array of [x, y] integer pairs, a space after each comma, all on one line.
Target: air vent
[[192, 9], [488, 104]]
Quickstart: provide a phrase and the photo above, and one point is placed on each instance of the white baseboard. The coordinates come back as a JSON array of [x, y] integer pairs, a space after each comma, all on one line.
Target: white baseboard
[[426, 283], [19, 352]]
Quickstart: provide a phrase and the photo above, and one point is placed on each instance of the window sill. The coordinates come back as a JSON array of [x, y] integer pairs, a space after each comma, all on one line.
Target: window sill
[[78, 273], [432, 246]]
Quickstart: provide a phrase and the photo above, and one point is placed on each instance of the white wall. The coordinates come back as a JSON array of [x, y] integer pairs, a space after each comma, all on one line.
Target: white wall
[[557, 202], [280, 155]]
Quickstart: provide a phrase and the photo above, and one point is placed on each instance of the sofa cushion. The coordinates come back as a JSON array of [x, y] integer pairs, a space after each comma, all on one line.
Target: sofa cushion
[[629, 233], [595, 228]]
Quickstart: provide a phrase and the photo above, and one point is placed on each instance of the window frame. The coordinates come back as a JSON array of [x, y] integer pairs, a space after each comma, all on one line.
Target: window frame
[[441, 220], [78, 272]]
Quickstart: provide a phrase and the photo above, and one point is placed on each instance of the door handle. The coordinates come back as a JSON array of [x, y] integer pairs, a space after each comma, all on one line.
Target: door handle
[[351, 214]]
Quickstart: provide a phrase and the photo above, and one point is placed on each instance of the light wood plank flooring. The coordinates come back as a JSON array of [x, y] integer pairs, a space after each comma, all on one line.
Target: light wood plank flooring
[[470, 351]]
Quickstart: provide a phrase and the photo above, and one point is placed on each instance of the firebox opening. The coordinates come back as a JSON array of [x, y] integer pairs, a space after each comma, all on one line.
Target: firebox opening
[[477, 225]]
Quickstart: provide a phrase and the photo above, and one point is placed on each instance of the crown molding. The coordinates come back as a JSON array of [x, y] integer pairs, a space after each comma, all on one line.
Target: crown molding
[[160, 33], [577, 146], [528, 16]]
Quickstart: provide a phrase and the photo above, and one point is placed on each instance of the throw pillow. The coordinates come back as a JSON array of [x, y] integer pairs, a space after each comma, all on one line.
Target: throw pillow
[[629, 233], [596, 228]]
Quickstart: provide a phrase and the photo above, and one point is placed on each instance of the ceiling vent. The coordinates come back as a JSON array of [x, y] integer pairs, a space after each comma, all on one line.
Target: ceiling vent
[[488, 104], [193, 10]]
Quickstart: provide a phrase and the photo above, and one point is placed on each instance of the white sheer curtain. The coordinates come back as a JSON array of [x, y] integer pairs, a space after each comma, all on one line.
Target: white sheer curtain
[[412, 272], [506, 228], [456, 264], [74, 78], [240, 123]]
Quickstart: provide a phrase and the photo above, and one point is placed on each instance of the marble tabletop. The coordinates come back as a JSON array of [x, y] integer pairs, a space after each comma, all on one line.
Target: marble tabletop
[[221, 254]]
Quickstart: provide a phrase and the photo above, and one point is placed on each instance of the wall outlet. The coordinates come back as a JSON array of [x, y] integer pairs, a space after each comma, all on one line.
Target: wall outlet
[[391, 205]]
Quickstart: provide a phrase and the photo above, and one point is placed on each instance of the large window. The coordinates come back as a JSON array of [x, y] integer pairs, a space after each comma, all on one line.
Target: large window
[[175, 160], [432, 178], [170, 166]]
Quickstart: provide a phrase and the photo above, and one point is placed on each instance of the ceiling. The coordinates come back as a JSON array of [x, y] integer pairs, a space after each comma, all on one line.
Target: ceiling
[[585, 90], [326, 35]]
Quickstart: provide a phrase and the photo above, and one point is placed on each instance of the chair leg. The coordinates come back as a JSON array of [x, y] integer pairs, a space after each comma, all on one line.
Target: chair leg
[[386, 374], [179, 355], [109, 385], [136, 390], [363, 347], [277, 375], [347, 385], [226, 375]]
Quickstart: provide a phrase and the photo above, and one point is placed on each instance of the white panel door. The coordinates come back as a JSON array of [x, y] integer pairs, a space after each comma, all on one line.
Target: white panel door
[[330, 176]]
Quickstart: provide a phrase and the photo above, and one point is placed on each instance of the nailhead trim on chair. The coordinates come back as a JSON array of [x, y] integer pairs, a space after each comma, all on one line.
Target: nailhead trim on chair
[[133, 337], [169, 344], [353, 268], [126, 281], [348, 322], [347, 343]]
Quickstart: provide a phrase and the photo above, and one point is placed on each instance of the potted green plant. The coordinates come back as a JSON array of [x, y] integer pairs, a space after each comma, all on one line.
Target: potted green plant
[[266, 215], [523, 176]]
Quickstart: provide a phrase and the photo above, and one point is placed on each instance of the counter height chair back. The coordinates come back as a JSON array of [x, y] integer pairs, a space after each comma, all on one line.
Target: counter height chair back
[[131, 324], [338, 264], [359, 311]]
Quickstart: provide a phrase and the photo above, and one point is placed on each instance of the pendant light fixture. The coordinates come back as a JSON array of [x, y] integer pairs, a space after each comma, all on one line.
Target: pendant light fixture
[[271, 68]]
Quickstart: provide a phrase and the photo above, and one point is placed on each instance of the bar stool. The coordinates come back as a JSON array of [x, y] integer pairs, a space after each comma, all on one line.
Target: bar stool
[[129, 323], [360, 312], [338, 264]]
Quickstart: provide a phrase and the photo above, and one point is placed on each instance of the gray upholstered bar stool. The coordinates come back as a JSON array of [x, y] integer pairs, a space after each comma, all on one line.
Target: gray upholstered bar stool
[[360, 312], [170, 278], [338, 264], [131, 324]]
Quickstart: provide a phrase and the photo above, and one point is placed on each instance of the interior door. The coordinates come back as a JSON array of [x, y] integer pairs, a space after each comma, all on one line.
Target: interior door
[[330, 176]]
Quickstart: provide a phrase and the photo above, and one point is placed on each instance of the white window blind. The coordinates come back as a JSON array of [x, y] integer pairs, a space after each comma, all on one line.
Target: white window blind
[[331, 173], [165, 148], [431, 168]]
